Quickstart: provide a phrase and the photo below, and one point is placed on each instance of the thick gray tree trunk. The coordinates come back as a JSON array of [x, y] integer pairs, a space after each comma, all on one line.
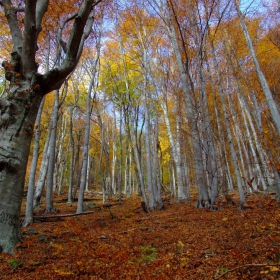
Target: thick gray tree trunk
[[19, 110], [16, 134]]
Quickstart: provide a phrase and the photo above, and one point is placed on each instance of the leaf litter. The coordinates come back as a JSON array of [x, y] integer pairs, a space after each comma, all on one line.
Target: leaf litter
[[179, 242]]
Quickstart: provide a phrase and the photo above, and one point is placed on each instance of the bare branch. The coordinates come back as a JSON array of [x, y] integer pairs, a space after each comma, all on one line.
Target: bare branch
[[96, 3], [30, 39], [19, 9], [62, 25], [82, 22], [41, 9], [86, 31], [11, 15]]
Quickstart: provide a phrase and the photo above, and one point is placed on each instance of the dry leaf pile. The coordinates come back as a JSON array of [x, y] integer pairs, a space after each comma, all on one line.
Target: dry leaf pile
[[180, 242]]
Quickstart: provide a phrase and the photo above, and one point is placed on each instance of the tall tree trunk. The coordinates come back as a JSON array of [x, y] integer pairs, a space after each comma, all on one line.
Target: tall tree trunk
[[52, 151], [87, 131], [43, 170], [73, 164], [152, 202], [175, 149], [103, 150], [62, 153], [72, 156], [86, 142], [247, 112], [208, 139], [120, 157], [132, 124], [269, 98], [191, 111], [156, 164], [222, 161], [114, 160], [32, 175], [137, 156], [229, 134]]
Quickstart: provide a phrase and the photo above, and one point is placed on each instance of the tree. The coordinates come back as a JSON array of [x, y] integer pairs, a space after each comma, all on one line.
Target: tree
[[90, 98], [27, 88], [169, 16], [269, 98]]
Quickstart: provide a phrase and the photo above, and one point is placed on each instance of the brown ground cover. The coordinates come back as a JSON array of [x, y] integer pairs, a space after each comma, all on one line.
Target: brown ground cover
[[121, 242]]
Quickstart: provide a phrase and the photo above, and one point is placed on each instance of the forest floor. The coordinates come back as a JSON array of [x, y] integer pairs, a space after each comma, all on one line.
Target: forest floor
[[179, 242]]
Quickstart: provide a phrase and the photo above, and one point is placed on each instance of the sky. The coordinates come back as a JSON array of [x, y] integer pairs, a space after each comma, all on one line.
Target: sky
[[251, 5]]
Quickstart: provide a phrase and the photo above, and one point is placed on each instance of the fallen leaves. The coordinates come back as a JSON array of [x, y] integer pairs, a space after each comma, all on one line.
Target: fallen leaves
[[180, 242]]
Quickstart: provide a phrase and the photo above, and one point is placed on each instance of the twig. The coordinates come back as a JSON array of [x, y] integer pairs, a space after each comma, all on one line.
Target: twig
[[245, 265]]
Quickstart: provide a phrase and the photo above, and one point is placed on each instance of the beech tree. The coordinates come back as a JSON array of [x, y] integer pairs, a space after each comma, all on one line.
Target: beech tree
[[27, 87]]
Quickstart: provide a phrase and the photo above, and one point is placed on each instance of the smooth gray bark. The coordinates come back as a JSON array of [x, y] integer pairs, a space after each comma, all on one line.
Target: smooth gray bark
[[32, 175], [52, 152], [87, 130], [19, 110], [43, 171]]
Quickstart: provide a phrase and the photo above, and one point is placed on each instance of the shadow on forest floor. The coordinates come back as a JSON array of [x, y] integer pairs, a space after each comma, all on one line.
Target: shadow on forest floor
[[180, 242]]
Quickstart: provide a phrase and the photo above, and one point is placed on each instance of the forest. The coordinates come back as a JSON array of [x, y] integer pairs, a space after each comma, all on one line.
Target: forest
[[121, 120]]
